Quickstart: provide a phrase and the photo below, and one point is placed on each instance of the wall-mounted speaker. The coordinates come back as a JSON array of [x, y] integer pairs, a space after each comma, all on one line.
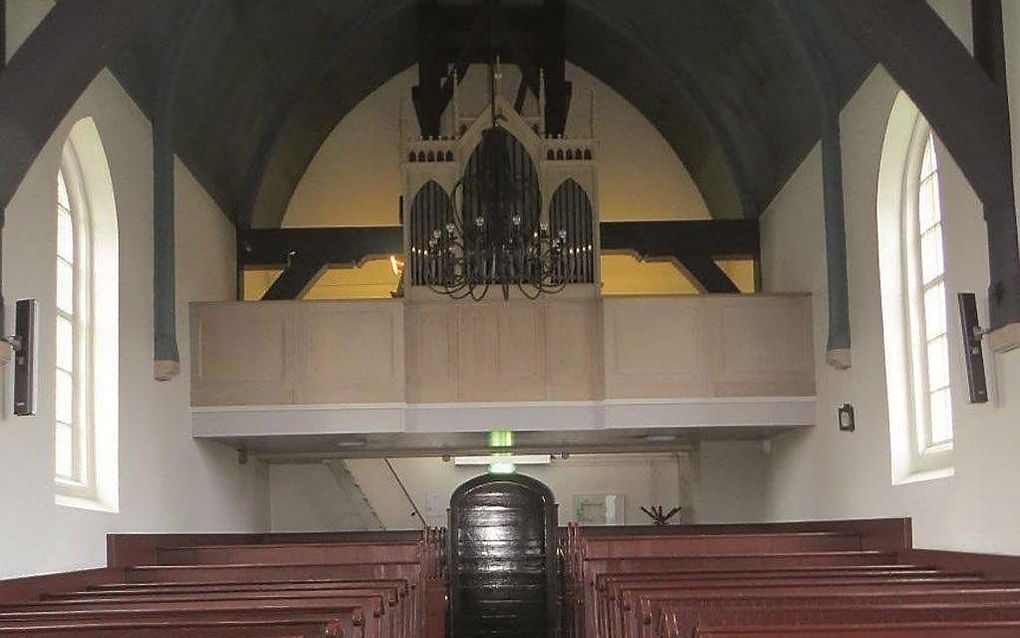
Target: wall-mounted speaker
[[974, 356], [25, 343]]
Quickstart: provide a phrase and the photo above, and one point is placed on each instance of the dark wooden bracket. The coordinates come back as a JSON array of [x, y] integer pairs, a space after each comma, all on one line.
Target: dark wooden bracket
[[694, 244], [303, 252], [965, 100]]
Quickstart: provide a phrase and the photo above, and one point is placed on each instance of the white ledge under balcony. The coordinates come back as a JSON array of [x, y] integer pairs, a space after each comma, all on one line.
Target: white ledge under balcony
[[562, 363]]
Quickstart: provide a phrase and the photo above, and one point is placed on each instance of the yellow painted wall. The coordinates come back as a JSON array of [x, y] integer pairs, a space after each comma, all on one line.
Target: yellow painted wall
[[624, 274], [355, 180], [373, 279], [741, 271], [257, 281]]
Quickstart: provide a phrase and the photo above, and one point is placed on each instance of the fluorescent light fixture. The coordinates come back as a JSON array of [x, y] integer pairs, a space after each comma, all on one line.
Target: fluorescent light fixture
[[350, 443], [512, 459], [660, 438], [502, 468]]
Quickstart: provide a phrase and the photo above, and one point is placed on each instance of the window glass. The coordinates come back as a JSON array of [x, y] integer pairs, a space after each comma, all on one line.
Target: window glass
[[928, 293]]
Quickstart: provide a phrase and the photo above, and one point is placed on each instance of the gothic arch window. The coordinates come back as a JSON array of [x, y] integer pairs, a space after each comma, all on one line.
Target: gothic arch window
[[85, 325], [570, 211], [914, 299]]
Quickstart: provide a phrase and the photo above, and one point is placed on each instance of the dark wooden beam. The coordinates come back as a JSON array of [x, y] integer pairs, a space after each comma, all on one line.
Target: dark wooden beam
[[3, 209], [1001, 219], [166, 355], [719, 238], [554, 65], [427, 96], [303, 252], [530, 37], [821, 70], [42, 81], [274, 247], [3, 34], [695, 244], [966, 105], [296, 278]]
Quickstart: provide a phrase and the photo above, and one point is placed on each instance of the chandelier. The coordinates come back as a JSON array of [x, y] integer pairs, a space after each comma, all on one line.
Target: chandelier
[[495, 243]]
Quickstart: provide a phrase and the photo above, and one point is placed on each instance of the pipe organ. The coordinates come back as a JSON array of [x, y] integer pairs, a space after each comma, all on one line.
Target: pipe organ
[[557, 188]]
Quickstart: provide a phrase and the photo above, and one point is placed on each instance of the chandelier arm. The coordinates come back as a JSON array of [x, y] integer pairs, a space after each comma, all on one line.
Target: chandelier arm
[[538, 292], [485, 291]]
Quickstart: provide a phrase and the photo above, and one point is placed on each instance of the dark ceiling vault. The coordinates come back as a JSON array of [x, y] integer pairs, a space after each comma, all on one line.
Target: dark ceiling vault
[[262, 84], [741, 89]]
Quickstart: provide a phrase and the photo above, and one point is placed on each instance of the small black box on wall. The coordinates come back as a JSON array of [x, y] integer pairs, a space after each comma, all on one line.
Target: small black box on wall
[[847, 422]]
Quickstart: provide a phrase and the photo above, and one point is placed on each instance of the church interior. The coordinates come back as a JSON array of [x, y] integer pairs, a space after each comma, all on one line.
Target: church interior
[[509, 318]]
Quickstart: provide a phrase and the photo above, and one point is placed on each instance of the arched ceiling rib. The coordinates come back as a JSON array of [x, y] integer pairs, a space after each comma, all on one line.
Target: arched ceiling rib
[[264, 83]]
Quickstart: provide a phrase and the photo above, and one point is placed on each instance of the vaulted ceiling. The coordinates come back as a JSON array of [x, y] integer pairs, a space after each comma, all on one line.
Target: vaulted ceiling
[[259, 85]]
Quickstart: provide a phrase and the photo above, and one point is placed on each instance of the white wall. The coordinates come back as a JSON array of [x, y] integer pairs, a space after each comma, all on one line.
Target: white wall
[[23, 16], [721, 483], [823, 473], [168, 482], [354, 179], [305, 497], [730, 482]]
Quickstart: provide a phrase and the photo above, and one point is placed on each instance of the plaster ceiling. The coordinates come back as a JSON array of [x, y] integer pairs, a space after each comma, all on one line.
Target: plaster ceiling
[[260, 84]]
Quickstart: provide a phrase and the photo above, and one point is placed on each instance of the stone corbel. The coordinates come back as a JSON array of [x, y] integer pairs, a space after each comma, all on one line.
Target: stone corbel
[[1006, 338]]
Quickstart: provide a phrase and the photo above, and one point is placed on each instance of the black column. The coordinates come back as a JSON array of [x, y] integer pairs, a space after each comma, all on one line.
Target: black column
[[1000, 216]]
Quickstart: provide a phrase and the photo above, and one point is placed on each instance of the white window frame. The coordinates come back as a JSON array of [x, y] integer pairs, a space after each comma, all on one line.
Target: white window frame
[[926, 456], [82, 483], [86, 174], [913, 457]]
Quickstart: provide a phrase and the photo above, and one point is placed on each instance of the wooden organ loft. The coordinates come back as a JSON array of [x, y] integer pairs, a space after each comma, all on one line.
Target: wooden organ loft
[[559, 173], [426, 363]]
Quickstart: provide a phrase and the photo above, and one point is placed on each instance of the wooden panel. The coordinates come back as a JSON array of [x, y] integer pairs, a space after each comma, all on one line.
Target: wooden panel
[[522, 350], [766, 347], [501, 351], [240, 354], [478, 349], [657, 348], [573, 351], [708, 346], [350, 352], [432, 342], [557, 349]]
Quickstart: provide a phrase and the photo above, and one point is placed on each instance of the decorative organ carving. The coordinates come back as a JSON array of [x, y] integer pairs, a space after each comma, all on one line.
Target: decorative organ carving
[[559, 171]]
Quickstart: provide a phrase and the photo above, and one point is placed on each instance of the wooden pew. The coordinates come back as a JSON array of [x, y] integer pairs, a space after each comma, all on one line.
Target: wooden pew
[[297, 628], [589, 552], [349, 619], [129, 550], [142, 589], [687, 623], [315, 585], [198, 575], [301, 554], [580, 586], [607, 586], [629, 618], [655, 612], [399, 616], [905, 630]]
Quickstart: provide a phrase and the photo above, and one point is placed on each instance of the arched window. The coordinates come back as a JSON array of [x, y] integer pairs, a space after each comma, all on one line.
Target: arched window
[[914, 299], [85, 375], [926, 299], [72, 407]]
